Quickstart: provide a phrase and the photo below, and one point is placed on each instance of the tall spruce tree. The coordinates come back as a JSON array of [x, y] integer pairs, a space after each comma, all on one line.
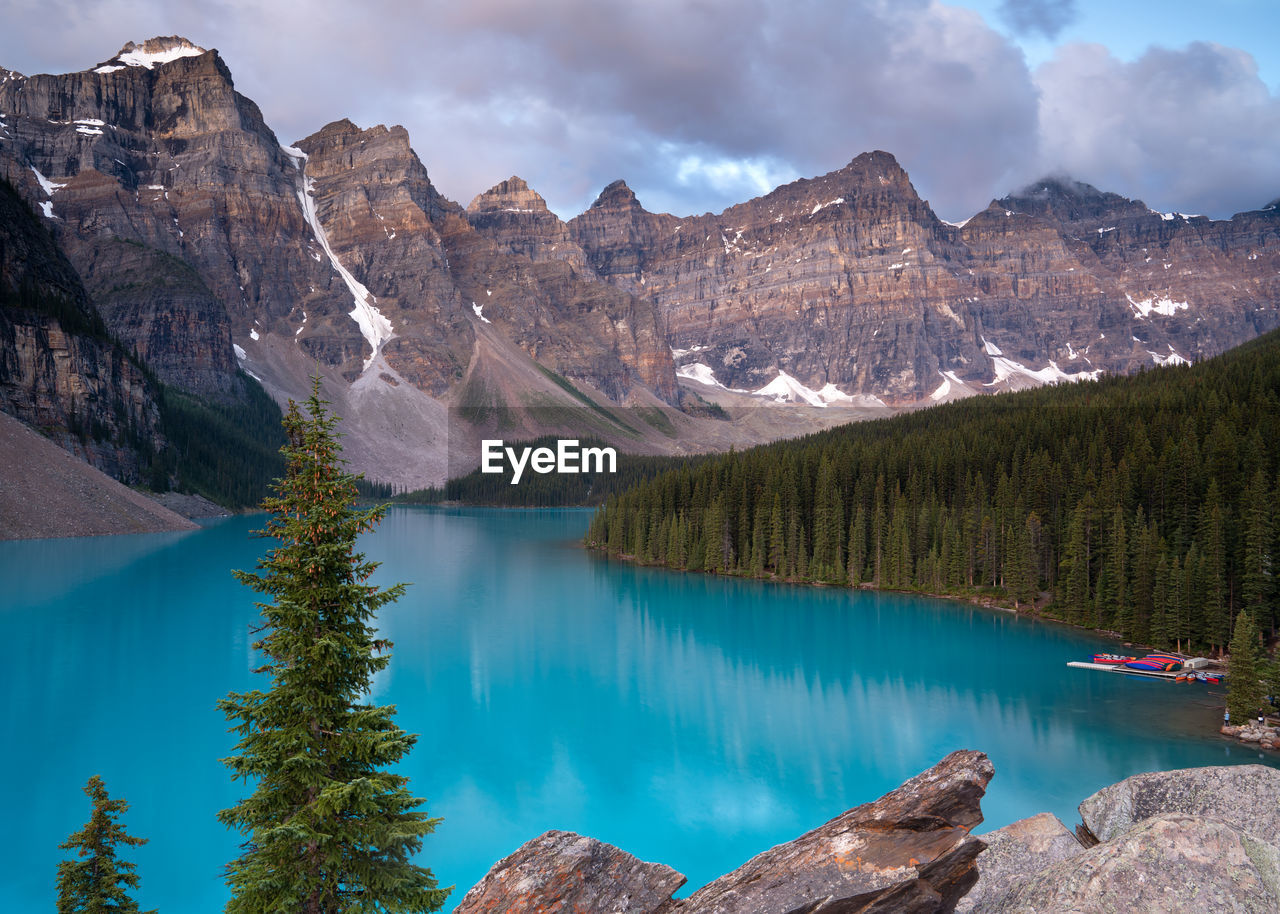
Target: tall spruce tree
[[328, 827], [98, 882], [1245, 689]]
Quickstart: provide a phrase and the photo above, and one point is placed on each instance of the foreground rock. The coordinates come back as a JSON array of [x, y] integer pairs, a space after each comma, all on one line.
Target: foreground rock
[[1201, 839], [1171, 862], [908, 851], [561, 871], [1246, 797], [1014, 854]]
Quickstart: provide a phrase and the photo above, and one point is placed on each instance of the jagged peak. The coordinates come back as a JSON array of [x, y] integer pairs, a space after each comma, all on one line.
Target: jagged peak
[[335, 134], [1061, 185], [512, 195], [617, 194], [341, 127], [1062, 197], [152, 53], [879, 158], [341, 131]]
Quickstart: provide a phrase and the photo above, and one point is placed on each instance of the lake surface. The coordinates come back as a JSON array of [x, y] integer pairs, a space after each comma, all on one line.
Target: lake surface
[[690, 720]]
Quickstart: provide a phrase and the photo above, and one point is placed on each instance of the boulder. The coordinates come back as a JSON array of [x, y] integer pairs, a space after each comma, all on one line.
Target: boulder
[[909, 851], [1246, 797], [1014, 854], [561, 871], [1172, 862]]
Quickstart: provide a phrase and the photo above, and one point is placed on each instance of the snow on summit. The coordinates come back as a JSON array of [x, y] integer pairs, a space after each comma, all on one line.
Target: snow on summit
[[150, 53]]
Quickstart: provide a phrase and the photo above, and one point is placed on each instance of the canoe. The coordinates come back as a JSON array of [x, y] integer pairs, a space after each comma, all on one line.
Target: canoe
[[1155, 664]]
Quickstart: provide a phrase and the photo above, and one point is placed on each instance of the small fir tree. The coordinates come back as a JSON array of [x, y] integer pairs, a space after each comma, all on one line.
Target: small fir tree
[[1245, 690], [329, 827], [98, 882]]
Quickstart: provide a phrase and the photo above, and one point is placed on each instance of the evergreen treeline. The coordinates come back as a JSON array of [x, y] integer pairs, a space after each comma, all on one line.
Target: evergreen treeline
[[549, 490], [229, 453], [73, 318], [1145, 505]]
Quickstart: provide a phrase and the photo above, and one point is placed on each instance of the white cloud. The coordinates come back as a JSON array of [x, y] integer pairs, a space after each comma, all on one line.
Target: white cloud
[[1193, 130]]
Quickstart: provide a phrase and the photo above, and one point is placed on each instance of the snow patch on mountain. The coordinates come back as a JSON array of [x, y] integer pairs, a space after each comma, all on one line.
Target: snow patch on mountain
[[703, 374], [1164, 306], [49, 187], [951, 388], [1006, 368], [818, 207], [374, 326], [152, 53], [1173, 358], [786, 389]]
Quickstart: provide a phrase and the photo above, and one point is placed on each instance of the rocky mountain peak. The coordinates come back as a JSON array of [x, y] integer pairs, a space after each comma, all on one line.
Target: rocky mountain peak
[[341, 146], [151, 53], [511, 196], [617, 196], [335, 129], [877, 158], [1068, 201]]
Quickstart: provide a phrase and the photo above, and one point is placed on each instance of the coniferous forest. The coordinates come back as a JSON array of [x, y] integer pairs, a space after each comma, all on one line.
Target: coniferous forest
[[1145, 505]]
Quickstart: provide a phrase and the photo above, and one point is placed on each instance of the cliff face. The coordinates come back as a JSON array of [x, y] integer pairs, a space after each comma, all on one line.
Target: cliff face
[[159, 307], [850, 279], [515, 260], [156, 147], [1183, 281], [59, 371], [377, 212], [516, 219]]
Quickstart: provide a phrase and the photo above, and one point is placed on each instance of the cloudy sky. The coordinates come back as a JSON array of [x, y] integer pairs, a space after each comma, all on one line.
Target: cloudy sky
[[699, 104]]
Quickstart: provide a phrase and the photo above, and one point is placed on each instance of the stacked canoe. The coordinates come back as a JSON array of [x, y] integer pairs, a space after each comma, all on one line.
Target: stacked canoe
[[1112, 659], [1156, 663]]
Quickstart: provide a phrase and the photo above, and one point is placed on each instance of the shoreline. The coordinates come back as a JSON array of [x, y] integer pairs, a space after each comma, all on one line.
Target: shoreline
[[1247, 734]]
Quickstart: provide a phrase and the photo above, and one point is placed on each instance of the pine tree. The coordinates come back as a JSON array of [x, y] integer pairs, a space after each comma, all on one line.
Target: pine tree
[[1245, 690], [1212, 537], [329, 827], [1256, 580], [98, 883]]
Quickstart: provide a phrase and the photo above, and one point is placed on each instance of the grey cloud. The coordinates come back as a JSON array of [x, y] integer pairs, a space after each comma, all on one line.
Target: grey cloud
[[1048, 17], [698, 104], [574, 93], [791, 90], [1194, 130]]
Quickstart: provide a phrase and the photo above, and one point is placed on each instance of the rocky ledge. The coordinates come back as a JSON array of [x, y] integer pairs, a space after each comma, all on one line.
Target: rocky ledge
[[1194, 840], [1265, 737], [908, 851]]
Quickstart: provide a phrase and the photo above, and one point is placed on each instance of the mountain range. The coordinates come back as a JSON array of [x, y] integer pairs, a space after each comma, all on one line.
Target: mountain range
[[159, 233]]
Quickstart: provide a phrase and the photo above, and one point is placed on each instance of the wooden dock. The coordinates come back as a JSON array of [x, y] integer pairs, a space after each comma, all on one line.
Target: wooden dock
[[1128, 671]]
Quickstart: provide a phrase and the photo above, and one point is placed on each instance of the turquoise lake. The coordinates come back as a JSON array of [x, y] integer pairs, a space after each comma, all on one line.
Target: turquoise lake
[[687, 719]]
